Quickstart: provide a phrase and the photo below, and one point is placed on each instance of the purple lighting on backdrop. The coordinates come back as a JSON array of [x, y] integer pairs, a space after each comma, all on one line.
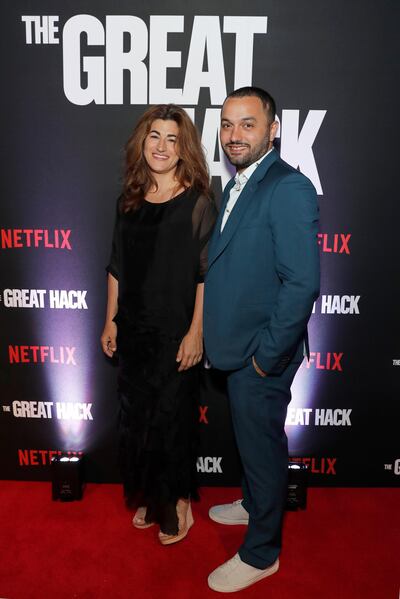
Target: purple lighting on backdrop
[[69, 332], [69, 386], [305, 389]]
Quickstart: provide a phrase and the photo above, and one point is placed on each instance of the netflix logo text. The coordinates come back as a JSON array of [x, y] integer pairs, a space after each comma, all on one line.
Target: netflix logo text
[[41, 457], [334, 243], [55, 239], [325, 361], [325, 466], [41, 354], [203, 414]]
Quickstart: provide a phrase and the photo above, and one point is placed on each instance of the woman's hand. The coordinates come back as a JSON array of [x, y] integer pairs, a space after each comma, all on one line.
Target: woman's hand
[[109, 339], [190, 350]]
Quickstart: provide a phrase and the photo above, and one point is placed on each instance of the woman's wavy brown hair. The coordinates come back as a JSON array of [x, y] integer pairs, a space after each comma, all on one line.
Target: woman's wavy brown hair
[[191, 169]]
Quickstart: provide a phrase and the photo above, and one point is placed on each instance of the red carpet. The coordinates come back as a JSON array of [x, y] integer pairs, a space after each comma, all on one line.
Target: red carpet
[[346, 545]]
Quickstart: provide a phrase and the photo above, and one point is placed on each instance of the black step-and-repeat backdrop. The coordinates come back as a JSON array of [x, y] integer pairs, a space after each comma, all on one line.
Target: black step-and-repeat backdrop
[[75, 78]]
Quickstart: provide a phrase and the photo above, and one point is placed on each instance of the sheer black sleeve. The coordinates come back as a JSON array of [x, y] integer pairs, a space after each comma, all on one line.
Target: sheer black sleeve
[[113, 266], [203, 220]]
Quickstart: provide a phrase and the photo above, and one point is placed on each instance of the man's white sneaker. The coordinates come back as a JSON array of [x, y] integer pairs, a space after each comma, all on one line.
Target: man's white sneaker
[[229, 513], [235, 575]]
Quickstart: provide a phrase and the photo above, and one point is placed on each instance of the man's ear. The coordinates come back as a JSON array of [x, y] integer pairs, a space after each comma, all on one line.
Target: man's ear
[[273, 130]]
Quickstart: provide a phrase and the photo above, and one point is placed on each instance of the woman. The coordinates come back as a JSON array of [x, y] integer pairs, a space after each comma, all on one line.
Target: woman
[[155, 300]]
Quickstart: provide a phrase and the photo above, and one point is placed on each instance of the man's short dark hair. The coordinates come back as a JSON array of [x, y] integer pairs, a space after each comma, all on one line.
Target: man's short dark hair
[[266, 99]]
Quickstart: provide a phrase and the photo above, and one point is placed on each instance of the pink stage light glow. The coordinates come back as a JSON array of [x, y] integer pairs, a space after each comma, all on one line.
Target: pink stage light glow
[[305, 390]]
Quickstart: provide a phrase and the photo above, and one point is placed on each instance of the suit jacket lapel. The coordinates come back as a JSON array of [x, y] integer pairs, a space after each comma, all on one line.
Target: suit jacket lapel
[[212, 248], [221, 240]]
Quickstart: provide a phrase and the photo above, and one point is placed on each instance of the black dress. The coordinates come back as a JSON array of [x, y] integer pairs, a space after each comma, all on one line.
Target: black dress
[[159, 256]]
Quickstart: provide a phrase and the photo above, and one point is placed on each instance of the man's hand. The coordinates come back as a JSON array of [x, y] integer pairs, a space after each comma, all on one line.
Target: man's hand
[[190, 350], [109, 339], [258, 369]]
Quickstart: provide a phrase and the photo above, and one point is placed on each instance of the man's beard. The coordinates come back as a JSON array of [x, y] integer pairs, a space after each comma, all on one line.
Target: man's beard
[[248, 158]]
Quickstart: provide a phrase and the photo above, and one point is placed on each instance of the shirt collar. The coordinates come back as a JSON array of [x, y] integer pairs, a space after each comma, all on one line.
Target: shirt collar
[[245, 175]]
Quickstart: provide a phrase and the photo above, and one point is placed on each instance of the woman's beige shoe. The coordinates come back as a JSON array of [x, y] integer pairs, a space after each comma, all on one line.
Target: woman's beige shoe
[[183, 528], [139, 519]]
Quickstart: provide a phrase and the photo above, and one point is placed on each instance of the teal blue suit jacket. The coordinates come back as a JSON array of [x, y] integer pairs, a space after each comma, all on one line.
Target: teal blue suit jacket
[[263, 271]]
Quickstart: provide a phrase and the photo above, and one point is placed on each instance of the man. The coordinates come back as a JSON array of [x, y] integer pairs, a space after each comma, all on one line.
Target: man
[[262, 280]]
